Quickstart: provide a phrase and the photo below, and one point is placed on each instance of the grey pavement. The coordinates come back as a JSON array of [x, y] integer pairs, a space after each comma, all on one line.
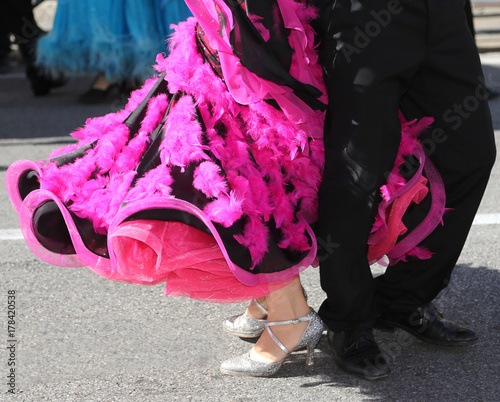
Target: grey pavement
[[84, 338]]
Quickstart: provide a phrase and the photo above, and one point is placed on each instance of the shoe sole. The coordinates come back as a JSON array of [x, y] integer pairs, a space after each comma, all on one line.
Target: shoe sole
[[242, 335], [238, 374], [248, 374]]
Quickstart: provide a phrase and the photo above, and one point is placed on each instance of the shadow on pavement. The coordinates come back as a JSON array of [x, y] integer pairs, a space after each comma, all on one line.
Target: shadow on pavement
[[59, 113], [56, 114], [423, 372]]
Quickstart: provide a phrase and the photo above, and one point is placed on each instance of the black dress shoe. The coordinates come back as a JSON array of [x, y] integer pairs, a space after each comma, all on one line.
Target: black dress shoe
[[356, 352], [95, 96], [427, 324], [42, 82], [4, 67]]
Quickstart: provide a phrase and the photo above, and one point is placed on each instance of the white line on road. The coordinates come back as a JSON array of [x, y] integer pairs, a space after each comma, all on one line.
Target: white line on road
[[492, 59], [480, 219], [11, 234], [487, 219]]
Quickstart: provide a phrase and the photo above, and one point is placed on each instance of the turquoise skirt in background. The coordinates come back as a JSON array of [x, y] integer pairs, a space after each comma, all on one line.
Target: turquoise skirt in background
[[119, 38]]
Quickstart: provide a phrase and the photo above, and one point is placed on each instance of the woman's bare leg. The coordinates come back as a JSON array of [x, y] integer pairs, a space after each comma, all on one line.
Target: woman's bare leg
[[283, 304], [254, 311]]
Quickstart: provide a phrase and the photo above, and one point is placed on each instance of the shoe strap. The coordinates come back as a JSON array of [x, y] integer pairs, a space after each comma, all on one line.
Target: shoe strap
[[260, 306], [278, 342], [307, 317]]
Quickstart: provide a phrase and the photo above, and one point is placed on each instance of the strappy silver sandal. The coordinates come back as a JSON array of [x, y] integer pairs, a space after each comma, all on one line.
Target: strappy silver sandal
[[244, 326], [245, 366], [247, 327]]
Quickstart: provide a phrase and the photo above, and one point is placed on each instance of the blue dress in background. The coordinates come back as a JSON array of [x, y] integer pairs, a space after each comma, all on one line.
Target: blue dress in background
[[119, 38]]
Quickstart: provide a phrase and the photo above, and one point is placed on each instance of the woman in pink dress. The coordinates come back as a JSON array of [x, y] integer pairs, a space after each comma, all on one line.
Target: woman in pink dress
[[208, 179]]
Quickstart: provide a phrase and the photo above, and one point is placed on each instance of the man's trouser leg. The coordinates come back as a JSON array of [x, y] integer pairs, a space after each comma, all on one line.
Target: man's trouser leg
[[372, 54], [449, 86]]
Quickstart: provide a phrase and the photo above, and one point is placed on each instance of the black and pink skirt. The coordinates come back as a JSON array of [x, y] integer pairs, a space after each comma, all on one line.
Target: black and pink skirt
[[189, 187]]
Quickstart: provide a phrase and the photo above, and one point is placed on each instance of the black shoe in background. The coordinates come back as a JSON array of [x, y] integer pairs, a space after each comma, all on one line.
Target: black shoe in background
[[42, 82], [356, 352], [95, 96], [427, 324], [4, 65], [4, 68]]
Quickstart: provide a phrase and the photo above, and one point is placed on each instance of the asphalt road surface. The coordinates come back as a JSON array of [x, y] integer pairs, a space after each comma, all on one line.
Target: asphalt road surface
[[83, 338]]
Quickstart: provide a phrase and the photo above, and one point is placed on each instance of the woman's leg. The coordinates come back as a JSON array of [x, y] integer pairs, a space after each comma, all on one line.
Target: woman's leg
[[253, 311], [283, 304]]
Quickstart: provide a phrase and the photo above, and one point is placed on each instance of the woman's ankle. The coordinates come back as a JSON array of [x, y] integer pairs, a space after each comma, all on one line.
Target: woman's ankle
[[268, 351], [253, 311], [287, 303], [101, 83]]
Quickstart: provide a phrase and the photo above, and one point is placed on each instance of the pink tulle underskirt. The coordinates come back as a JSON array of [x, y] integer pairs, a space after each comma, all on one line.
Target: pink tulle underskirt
[[187, 259]]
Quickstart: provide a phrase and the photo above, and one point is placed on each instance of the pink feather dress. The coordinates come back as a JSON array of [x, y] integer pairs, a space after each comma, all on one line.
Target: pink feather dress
[[208, 179]]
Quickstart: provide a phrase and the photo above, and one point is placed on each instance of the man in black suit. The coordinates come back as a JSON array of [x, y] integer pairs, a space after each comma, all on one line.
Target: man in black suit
[[379, 57]]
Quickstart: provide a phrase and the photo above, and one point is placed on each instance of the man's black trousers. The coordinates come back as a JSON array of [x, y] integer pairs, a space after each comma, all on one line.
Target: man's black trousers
[[379, 57]]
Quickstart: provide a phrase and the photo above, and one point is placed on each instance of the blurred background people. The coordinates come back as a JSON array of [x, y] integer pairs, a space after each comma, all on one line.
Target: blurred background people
[[115, 39], [470, 22], [16, 18]]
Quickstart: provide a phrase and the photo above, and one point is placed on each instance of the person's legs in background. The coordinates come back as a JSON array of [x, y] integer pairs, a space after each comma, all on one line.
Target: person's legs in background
[[16, 17], [4, 50], [470, 22]]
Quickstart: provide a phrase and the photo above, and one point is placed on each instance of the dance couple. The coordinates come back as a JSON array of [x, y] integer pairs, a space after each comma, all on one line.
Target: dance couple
[[366, 120]]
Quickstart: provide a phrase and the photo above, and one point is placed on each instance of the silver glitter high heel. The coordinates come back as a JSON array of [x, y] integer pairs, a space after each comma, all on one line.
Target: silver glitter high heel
[[244, 326], [245, 366], [247, 327]]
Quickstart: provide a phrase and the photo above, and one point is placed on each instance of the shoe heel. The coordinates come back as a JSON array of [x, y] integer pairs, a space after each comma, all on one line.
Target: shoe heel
[[312, 336], [245, 366], [310, 356]]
